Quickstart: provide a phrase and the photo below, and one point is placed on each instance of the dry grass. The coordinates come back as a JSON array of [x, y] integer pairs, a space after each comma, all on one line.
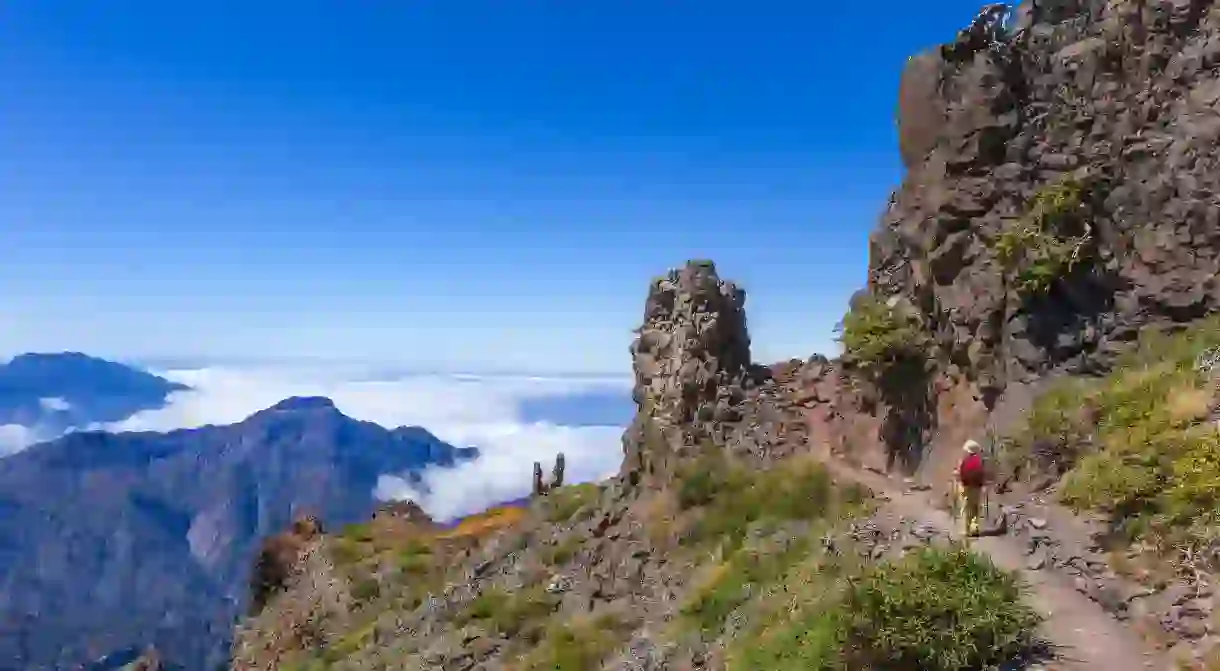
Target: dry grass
[[1141, 450], [485, 523], [1189, 403], [659, 516]]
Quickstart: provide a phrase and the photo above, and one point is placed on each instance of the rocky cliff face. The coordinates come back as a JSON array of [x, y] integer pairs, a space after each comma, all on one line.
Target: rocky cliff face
[[1060, 197], [695, 383], [1117, 96]]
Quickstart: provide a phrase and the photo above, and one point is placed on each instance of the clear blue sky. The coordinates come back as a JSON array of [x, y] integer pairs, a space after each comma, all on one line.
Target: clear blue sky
[[457, 184]]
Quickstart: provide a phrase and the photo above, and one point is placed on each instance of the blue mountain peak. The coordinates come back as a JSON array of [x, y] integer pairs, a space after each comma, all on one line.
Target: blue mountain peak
[[304, 403]]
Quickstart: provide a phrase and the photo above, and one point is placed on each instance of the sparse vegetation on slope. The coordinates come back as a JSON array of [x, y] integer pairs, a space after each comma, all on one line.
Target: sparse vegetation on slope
[[734, 497], [565, 503], [1139, 444], [935, 610], [575, 646], [714, 542]]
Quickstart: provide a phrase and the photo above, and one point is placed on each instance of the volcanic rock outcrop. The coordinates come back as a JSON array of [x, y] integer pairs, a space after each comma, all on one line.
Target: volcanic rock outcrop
[[1119, 97], [1060, 196], [690, 360]]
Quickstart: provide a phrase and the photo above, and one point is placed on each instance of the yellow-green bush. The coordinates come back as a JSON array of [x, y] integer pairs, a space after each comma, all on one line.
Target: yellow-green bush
[[519, 615], [1138, 440], [575, 646], [935, 610], [566, 502], [875, 335], [733, 582], [366, 589], [733, 496], [1041, 246]]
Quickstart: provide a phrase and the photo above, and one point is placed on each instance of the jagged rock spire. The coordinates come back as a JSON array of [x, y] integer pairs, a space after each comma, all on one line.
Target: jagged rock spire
[[541, 486], [690, 359]]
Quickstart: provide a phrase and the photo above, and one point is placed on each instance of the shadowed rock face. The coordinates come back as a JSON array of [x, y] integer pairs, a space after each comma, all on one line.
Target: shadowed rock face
[[1118, 97], [109, 541], [1121, 96]]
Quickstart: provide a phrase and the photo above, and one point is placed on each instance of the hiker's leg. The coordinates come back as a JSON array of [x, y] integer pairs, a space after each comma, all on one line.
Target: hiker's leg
[[962, 506], [972, 509]]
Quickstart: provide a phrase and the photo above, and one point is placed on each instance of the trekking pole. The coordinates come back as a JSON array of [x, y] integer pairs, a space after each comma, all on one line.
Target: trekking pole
[[988, 469]]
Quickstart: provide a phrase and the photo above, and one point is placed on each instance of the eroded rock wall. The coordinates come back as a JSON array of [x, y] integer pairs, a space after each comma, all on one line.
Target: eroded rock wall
[[1121, 94]]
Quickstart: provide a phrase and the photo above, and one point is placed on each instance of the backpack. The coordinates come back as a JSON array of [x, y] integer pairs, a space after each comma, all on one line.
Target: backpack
[[971, 471]]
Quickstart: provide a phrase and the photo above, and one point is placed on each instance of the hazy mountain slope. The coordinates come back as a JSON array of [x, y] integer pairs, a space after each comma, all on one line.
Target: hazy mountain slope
[[58, 391], [116, 540]]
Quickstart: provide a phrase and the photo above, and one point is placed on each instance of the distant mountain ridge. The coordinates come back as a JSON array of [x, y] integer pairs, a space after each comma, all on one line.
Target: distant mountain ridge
[[59, 391], [113, 541]]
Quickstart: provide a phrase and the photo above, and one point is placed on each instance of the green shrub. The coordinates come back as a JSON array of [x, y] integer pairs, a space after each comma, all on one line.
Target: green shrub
[[577, 646], [522, 614], [1040, 247], [361, 532], [563, 551], [416, 558], [935, 610], [1137, 441], [736, 581], [346, 552], [566, 502], [875, 336], [350, 643], [366, 589], [734, 497], [312, 663], [701, 479]]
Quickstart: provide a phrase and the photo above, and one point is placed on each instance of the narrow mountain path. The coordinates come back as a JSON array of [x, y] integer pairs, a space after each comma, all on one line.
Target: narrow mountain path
[[1082, 634]]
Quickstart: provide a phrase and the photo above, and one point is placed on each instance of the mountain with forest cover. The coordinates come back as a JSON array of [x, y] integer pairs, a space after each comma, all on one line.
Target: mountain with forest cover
[[57, 391], [112, 542]]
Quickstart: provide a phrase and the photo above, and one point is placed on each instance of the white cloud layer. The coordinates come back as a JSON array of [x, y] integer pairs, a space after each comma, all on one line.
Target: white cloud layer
[[54, 403], [15, 437], [463, 410]]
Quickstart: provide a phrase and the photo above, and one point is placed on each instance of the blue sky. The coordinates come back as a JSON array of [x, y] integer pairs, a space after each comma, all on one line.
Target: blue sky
[[471, 185]]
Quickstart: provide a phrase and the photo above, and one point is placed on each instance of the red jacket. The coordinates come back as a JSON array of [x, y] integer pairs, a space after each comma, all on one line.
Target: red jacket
[[971, 471]]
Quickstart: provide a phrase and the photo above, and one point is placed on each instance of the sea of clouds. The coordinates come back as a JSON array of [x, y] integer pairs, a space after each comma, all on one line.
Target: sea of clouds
[[513, 420]]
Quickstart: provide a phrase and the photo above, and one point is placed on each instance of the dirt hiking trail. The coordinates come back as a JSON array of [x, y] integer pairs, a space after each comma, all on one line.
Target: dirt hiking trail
[[1082, 634]]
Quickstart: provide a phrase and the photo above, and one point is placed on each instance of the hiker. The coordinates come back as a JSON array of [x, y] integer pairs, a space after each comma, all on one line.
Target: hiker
[[971, 474]]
